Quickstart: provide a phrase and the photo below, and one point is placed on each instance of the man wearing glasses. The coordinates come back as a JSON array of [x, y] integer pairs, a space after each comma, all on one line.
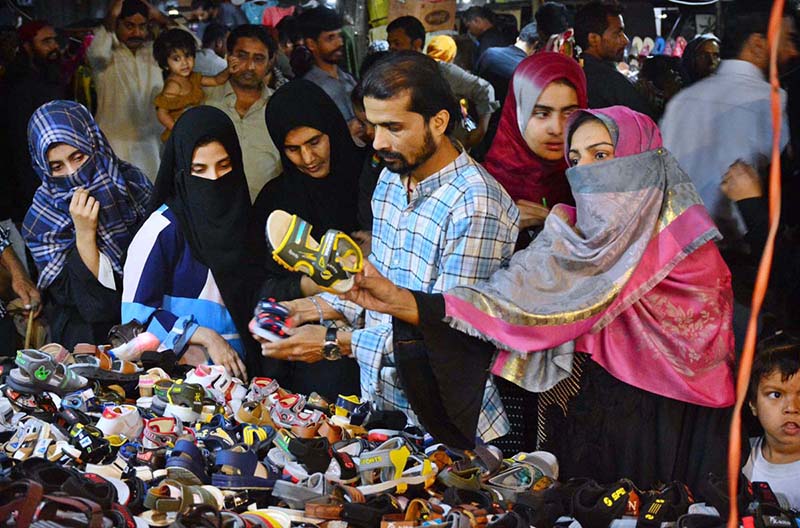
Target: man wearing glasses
[[243, 98]]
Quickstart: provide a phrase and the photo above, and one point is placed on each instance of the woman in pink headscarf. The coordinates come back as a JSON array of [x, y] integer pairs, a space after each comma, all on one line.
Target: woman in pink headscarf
[[618, 314], [527, 154]]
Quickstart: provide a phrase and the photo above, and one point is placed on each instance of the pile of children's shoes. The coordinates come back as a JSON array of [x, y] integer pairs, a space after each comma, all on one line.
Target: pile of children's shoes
[[92, 440]]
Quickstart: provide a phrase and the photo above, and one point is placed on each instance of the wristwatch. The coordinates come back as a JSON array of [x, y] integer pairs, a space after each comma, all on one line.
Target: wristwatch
[[330, 350]]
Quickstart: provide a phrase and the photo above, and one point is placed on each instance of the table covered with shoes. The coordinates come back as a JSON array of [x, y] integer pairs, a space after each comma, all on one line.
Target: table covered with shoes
[[90, 439]]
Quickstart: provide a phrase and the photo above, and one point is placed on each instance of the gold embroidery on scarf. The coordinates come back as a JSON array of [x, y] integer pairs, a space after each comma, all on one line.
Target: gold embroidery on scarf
[[518, 317]]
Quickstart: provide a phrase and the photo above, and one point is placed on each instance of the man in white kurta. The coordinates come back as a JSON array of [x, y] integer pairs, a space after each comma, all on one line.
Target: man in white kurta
[[127, 79]]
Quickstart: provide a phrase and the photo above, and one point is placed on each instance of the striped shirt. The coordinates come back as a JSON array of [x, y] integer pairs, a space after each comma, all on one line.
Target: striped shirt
[[458, 228], [165, 286]]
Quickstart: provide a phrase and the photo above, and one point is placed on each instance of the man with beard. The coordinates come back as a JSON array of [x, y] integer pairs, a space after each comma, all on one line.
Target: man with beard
[[600, 32], [32, 80], [407, 33], [322, 34], [127, 78], [440, 220], [251, 53]]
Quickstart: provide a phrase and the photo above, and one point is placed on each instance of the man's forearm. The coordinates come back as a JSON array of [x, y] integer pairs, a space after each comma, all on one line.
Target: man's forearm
[[11, 262]]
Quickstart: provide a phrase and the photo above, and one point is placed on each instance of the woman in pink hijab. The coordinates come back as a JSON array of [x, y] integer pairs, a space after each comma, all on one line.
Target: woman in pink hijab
[[618, 314], [527, 153]]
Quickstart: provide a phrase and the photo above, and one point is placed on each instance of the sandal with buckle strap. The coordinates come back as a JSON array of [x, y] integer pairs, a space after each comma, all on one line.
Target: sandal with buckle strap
[[37, 371], [331, 263]]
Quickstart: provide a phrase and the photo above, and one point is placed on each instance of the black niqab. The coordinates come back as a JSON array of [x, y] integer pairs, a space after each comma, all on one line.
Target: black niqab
[[213, 214]]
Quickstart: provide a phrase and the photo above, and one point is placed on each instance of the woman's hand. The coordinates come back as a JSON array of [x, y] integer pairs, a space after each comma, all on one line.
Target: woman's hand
[[84, 211], [220, 351], [303, 344], [741, 182], [531, 214], [375, 292]]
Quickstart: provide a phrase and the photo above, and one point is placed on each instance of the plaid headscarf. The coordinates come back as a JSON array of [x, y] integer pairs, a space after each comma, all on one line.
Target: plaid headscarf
[[122, 190]]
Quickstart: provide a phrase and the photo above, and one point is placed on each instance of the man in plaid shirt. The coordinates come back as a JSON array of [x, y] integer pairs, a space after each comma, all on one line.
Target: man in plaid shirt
[[440, 220]]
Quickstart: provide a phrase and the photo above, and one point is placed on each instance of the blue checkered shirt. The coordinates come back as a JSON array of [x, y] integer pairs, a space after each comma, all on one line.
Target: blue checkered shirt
[[5, 241], [459, 227]]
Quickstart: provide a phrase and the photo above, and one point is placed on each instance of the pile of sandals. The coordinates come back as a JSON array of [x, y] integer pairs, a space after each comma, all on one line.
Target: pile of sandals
[[91, 440]]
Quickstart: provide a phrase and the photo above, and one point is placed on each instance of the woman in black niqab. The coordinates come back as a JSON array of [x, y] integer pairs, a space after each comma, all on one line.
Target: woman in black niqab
[[213, 214]]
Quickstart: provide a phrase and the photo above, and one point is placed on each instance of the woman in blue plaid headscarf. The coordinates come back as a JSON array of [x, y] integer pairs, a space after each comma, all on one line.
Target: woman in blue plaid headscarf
[[81, 279]]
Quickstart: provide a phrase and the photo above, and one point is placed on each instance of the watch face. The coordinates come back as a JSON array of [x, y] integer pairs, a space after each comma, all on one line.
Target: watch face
[[331, 351]]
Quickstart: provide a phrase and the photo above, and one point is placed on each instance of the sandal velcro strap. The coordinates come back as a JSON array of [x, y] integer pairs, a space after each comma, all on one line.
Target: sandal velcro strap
[[186, 463], [39, 371], [346, 405], [89, 440], [161, 432], [239, 468], [330, 263]]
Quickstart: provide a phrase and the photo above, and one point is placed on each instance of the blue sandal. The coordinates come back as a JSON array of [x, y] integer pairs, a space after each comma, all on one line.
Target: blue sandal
[[185, 464], [239, 468]]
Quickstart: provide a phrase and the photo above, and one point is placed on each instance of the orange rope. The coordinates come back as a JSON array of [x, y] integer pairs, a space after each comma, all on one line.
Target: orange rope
[[764, 268]]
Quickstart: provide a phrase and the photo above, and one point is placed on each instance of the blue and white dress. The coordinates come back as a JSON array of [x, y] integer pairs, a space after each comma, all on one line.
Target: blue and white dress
[[171, 291]]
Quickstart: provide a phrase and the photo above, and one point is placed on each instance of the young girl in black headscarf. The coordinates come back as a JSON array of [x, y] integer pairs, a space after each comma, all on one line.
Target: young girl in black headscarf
[[187, 273]]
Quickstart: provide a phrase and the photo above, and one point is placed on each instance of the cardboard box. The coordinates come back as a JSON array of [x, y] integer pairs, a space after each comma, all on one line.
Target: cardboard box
[[435, 15]]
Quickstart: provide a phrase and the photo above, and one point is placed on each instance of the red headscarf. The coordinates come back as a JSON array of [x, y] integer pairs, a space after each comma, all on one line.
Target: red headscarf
[[523, 174]]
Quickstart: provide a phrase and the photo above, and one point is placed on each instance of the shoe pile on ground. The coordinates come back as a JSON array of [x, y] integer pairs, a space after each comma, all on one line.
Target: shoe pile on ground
[[92, 440]]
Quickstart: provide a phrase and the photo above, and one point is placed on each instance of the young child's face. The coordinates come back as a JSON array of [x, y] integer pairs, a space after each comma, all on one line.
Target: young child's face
[[777, 407], [180, 63]]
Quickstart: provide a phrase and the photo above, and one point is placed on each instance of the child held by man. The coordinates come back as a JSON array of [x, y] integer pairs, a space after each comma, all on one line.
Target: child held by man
[[175, 50]]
